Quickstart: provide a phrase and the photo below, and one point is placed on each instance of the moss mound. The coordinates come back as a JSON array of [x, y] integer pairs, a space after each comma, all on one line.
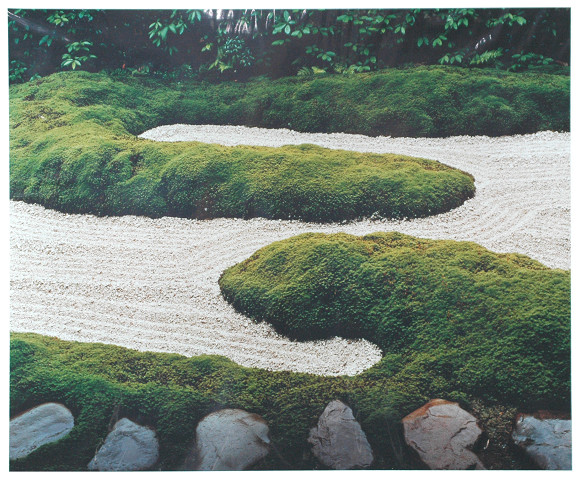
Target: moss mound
[[73, 149], [495, 325], [172, 393]]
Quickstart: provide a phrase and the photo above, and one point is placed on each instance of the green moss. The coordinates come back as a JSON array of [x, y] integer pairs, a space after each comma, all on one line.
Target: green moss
[[455, 315], [454, 320], [172, 393], [73, 145], [79, 155]]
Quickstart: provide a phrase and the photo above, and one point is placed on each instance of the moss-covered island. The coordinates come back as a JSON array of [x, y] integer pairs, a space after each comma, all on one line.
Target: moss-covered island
[[455, 321], [497, 325], [74, 147]]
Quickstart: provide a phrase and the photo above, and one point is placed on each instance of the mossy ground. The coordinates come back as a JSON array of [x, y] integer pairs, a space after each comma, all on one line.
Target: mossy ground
[[72, 149], [455, 321], [73, 145], [171, 393], [467, 325], [496, 326]]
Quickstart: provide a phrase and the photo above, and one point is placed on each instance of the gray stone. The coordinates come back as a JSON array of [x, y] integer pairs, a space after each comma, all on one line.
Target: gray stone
[[338, 440], [44, 424], [546, 440], [129, 447], [230, 439], [442, 434]]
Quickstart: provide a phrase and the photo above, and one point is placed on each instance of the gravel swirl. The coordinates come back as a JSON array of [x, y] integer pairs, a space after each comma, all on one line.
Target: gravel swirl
[[152, 284]]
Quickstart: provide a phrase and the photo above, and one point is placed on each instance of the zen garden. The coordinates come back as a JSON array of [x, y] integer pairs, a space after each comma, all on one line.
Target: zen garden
[[290, 239]]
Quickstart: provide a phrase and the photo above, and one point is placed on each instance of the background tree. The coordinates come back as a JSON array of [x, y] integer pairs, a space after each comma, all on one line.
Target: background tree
[[225, 44]]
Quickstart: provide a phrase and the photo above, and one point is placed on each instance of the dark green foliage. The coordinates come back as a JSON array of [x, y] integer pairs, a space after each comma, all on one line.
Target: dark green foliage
[[221, 44], [452, 317]]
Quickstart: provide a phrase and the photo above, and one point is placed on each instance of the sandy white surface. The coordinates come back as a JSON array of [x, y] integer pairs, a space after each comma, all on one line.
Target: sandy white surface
[[152, 284]]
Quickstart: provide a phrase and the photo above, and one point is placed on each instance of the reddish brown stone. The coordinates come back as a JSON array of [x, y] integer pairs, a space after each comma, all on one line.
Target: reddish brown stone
[[442, 434]]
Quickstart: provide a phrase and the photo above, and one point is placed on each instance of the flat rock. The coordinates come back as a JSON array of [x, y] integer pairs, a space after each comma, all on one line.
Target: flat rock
[[442, 434], [545, 438], [230, 439], [338, 440], [129, 447], [44, 424]]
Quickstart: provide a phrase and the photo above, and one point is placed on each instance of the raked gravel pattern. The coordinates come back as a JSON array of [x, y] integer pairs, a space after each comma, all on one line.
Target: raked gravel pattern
[[152, 284]]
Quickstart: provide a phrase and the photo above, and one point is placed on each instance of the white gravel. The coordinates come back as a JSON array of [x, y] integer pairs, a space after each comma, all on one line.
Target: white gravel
[[152, 284]]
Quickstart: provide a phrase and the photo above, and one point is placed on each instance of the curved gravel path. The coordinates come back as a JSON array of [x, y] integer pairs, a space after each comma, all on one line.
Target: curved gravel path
[[152, 284]]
